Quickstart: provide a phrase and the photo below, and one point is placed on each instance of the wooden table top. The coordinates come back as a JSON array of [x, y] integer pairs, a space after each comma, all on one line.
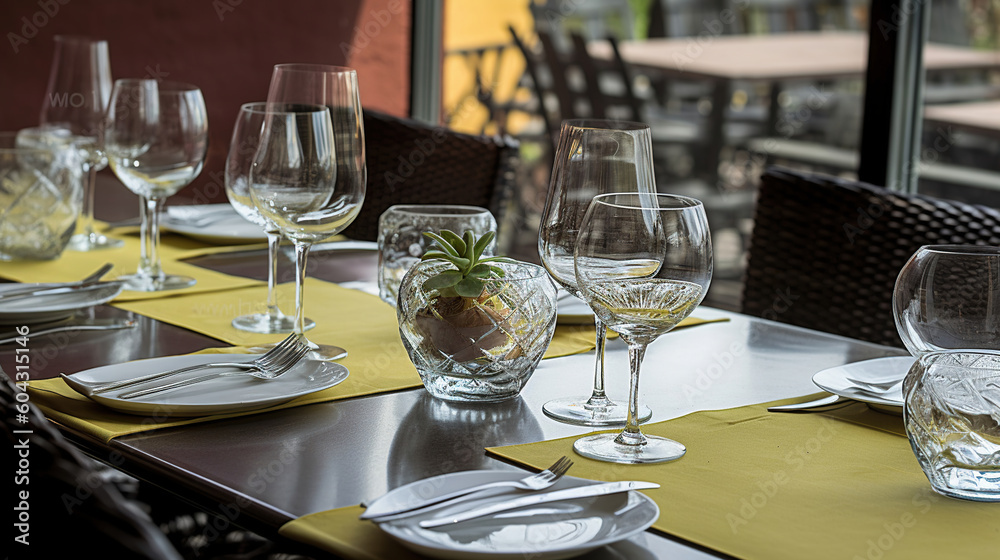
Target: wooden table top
[[980, 116], [812, 55]]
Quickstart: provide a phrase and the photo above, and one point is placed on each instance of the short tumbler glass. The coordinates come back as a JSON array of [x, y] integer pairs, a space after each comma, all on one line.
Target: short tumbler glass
[[41, 195], [401, 239], [952, 416]]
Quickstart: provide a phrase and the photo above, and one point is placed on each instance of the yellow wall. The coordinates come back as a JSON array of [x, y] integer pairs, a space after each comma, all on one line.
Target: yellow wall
[[475, 23]]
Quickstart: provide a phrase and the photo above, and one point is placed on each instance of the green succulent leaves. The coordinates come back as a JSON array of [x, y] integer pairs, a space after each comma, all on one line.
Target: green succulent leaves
[[465, 254]]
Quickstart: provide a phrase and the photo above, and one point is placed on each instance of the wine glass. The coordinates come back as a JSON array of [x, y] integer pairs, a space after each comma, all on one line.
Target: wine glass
[[336, 88], [242, 148], [947, 297], [76, 99], [156, 140], [293, 182], [592, 157], [643, 263]]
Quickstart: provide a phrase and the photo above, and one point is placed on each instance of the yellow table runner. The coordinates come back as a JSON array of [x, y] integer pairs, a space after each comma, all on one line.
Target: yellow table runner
[[73, 265], [757, 485]]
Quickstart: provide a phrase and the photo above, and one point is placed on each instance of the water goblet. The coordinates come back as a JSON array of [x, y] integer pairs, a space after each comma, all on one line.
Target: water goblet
[[242, 148], [947, 297], [156, 140], [293, 182], [643, 263], [593, 157], [76, 99]]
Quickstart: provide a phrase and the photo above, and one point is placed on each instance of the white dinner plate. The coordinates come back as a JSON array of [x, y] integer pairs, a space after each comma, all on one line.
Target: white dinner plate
[[44, 308], [215, 396], [222, 228], [544, 532], [836, 380]]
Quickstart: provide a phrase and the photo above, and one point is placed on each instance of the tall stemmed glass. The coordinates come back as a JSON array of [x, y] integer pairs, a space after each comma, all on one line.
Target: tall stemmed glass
[[156, 139], [242, 149], [593, 157], [643, 263], [76, 99], [293, 182], [336, 88]]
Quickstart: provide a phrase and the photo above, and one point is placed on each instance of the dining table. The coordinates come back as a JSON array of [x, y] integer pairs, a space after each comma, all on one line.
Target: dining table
[[977, 117], [776, 60], [317, 461]]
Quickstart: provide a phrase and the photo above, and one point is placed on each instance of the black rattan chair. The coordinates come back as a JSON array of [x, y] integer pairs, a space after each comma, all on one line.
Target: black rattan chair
[[825, 251], [409, 162]]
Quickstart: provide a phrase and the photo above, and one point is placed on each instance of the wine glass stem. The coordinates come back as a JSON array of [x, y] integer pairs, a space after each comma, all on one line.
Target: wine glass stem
[[631, 434], [149, 257], [598, 398], [87, 215], [301, 253], [273, 241]]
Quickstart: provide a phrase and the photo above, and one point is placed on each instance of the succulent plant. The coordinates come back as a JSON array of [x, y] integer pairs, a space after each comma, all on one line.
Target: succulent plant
[[466, 255]]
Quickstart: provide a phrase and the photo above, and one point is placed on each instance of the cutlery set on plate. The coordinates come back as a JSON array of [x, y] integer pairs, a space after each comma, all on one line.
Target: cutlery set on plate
[[484, 499], [283, 357]]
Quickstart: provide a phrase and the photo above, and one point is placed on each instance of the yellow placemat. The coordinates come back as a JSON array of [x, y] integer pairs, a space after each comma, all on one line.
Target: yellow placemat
[[73, 265], [758, 485], [390, 371], [340, 532], [577, 339]]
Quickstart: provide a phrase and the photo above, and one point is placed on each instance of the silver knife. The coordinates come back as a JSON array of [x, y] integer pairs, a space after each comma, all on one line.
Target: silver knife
[[14, 295], [556, 496]]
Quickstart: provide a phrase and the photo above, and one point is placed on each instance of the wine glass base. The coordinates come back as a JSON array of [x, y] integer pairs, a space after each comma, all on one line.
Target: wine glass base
[[603, 447], [576, 411], [92, 242], [326, 352], [142, 283], [264, 323]]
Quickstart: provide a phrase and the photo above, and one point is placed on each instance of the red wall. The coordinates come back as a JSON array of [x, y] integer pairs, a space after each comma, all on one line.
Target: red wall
[[226, 47]]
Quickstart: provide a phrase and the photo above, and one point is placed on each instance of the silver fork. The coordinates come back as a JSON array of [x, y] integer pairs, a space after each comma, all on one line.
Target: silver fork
[[291, 344], [539, 481], [266, 371], [874, 386]]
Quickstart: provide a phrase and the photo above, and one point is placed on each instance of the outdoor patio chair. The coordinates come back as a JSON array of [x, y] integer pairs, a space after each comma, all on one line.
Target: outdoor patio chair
[[409, 162], [825, 252]]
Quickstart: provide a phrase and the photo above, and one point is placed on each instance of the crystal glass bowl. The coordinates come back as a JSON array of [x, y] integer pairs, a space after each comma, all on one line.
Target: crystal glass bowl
[[489, 349]]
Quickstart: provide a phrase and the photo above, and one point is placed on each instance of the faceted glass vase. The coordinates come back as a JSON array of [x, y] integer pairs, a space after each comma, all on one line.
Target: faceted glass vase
[[477, 349], [952, 416]]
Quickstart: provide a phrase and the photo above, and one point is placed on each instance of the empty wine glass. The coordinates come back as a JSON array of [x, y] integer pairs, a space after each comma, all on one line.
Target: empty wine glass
[[643, 263], [593, 157], [76, 99], [947, 297], [156, 140], [293, 182], [242, 148], [336, 88]]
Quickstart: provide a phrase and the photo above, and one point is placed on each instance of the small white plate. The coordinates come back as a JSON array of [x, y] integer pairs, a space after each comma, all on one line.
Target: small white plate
[[544, 532], [215, 396], [836, 380], [223, 228], [45, 308]]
